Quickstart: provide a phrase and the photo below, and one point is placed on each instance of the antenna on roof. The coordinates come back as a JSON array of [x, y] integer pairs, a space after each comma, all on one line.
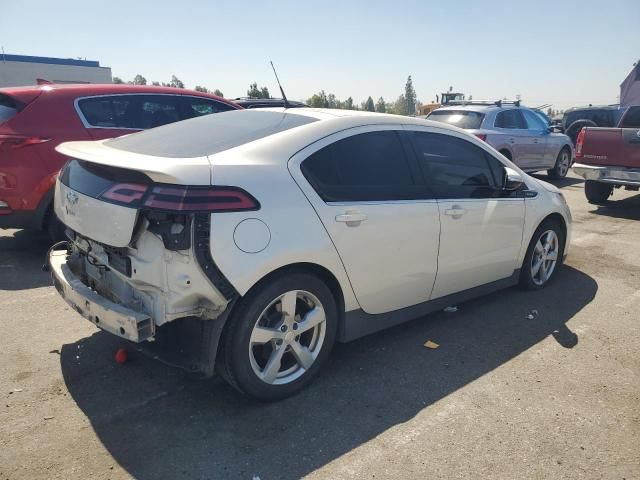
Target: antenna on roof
[[284, 97]]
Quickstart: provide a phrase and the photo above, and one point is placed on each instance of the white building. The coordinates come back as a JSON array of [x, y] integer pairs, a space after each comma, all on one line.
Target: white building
[[18, 70]]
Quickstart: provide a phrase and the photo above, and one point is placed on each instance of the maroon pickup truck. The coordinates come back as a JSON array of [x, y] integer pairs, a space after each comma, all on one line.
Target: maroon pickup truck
[[609, 158]]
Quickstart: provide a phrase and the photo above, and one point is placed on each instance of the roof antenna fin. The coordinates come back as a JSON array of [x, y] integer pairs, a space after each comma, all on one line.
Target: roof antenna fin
[[284, 97]]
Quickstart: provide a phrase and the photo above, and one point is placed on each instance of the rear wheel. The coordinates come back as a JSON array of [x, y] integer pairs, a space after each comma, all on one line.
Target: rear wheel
[[597, 193], [543, 256], [279, 336], [563, 162]]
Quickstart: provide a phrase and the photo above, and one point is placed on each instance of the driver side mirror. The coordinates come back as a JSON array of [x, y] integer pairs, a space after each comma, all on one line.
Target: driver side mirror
[[512, 180]]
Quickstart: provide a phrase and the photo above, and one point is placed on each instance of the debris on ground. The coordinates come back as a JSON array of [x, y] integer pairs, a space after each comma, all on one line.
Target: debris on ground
[[430, 344], [532, 314], [451, 309], [49, 417], [17, 390], [121, 355]]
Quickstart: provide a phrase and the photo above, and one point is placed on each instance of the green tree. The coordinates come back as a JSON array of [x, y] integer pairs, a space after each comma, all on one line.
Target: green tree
[[139, 80], [399, 107], [348, 104], [381, 107], [410, 97], [369, 106], [199, 88], [332, 102], [117, 80], [255, 92], [176, 82], [218, 92], [318, 100]]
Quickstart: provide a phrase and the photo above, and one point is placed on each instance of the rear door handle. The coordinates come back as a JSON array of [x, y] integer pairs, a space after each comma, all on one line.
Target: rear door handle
[[352, 219], [512, 140], [535, 140], [456, 211]]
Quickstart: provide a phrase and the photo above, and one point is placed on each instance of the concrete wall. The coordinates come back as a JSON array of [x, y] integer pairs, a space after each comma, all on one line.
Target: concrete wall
[[13, 74]]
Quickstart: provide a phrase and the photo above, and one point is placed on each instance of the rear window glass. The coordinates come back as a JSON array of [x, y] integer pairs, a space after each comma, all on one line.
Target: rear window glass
[[459, 118], [130, 111], [209, 134], [631, 118], [8, 108]]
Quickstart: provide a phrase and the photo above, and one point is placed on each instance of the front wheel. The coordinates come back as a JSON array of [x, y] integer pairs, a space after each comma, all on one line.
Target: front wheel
[[279, 336], [543, 256], [597, 193], [561, 167]]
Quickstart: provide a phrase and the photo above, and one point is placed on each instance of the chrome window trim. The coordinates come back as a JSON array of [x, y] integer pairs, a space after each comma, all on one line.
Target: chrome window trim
[[87, 125]]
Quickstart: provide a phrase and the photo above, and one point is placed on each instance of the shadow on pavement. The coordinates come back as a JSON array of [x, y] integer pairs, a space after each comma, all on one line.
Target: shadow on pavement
[[561, 182], [22, 254], [161, 423], [627, 208]]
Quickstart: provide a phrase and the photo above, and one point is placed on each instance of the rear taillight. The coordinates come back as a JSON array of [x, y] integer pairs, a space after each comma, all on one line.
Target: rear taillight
[[481, 136], [125, 193], [579, 143], [11, 142], [199, 199]]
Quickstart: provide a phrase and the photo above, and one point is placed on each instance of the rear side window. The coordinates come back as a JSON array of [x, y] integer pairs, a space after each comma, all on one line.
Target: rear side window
[[8, 108], [366, 167], [138, 112], [455, 168], [196, 107], [459, 118], [632, 118], [510, 119]]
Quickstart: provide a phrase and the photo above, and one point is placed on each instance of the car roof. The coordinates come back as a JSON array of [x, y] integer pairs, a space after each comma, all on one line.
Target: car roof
[[74, 89], [476, 108], [266, 102], [278, 131]]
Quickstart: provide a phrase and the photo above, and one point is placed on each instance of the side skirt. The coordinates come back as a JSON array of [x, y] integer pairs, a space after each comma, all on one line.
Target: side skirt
[[358, 323]]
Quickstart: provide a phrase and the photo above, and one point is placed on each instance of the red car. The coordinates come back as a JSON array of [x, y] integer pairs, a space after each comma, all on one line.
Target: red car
[[34, 120]]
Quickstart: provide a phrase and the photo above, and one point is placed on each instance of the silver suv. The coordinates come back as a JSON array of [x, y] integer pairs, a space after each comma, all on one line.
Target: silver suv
[[521, 134]]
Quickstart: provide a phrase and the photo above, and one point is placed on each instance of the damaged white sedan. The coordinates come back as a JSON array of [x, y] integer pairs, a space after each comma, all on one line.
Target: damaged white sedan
[[248, 242]]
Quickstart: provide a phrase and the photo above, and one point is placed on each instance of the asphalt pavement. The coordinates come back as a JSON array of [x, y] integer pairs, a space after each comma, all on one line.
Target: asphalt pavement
[[540, 385]]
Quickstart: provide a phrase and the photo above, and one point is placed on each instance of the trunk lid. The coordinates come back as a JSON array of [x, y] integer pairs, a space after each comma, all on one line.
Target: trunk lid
[[98, 192]]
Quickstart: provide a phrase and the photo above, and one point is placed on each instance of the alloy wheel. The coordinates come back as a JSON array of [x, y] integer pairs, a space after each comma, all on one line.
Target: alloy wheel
[[563, 164], [545, 257], [287, 337]]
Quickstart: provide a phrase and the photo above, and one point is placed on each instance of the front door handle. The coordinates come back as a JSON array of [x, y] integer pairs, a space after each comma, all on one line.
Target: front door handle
[[456, 211], [535, 140], [352, 219], [512, 140]]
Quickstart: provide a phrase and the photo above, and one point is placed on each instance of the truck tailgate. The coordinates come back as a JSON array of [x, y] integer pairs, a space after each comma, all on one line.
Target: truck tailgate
[[611, 146]]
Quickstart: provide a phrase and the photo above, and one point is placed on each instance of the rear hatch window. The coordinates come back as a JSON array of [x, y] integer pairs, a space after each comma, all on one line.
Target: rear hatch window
[[209, 134], [8, 108], [459, 118]]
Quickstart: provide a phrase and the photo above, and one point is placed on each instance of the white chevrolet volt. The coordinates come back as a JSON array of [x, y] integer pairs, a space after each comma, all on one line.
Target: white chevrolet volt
[[252, 240]]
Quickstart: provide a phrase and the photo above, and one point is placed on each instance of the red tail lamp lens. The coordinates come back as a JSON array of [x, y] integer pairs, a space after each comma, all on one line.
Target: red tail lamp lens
[[125, 193], [200, 199]]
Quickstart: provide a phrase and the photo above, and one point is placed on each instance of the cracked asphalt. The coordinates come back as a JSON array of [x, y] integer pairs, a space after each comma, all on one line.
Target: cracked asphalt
[[510, 393]]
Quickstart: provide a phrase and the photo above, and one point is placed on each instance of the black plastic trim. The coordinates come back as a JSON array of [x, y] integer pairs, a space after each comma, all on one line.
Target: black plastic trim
[[201, 242], [358, 323]]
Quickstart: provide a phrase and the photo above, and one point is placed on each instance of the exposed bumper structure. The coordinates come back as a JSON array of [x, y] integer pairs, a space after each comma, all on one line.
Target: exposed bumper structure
[[605, 174], [112, 317]]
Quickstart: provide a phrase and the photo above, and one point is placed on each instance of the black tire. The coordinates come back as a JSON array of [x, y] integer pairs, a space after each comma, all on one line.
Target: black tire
[[54, 227], [234, 359], [562, 165], [574, 129], [507, 154], [597, 193], [526, 277]]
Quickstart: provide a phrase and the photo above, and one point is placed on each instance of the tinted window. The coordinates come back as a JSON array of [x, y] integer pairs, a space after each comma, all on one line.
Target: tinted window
[[8, 108], [455, 168], [632, 118], [196, 107], [367, 167], [130, 111], [459, 118], [209, 134], [510, 119], [534, 122]]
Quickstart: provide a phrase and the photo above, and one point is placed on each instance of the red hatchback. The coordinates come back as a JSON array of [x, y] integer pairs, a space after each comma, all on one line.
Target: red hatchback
[[34, 120]]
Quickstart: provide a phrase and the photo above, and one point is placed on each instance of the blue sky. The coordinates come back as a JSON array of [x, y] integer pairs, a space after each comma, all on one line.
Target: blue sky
[[560, 52]]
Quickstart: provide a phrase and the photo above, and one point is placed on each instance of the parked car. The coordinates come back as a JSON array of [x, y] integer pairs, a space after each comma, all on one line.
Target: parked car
[[246, 102], [517, 132], [574, 119], [34, 120], [273, 233], [610, 157]]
